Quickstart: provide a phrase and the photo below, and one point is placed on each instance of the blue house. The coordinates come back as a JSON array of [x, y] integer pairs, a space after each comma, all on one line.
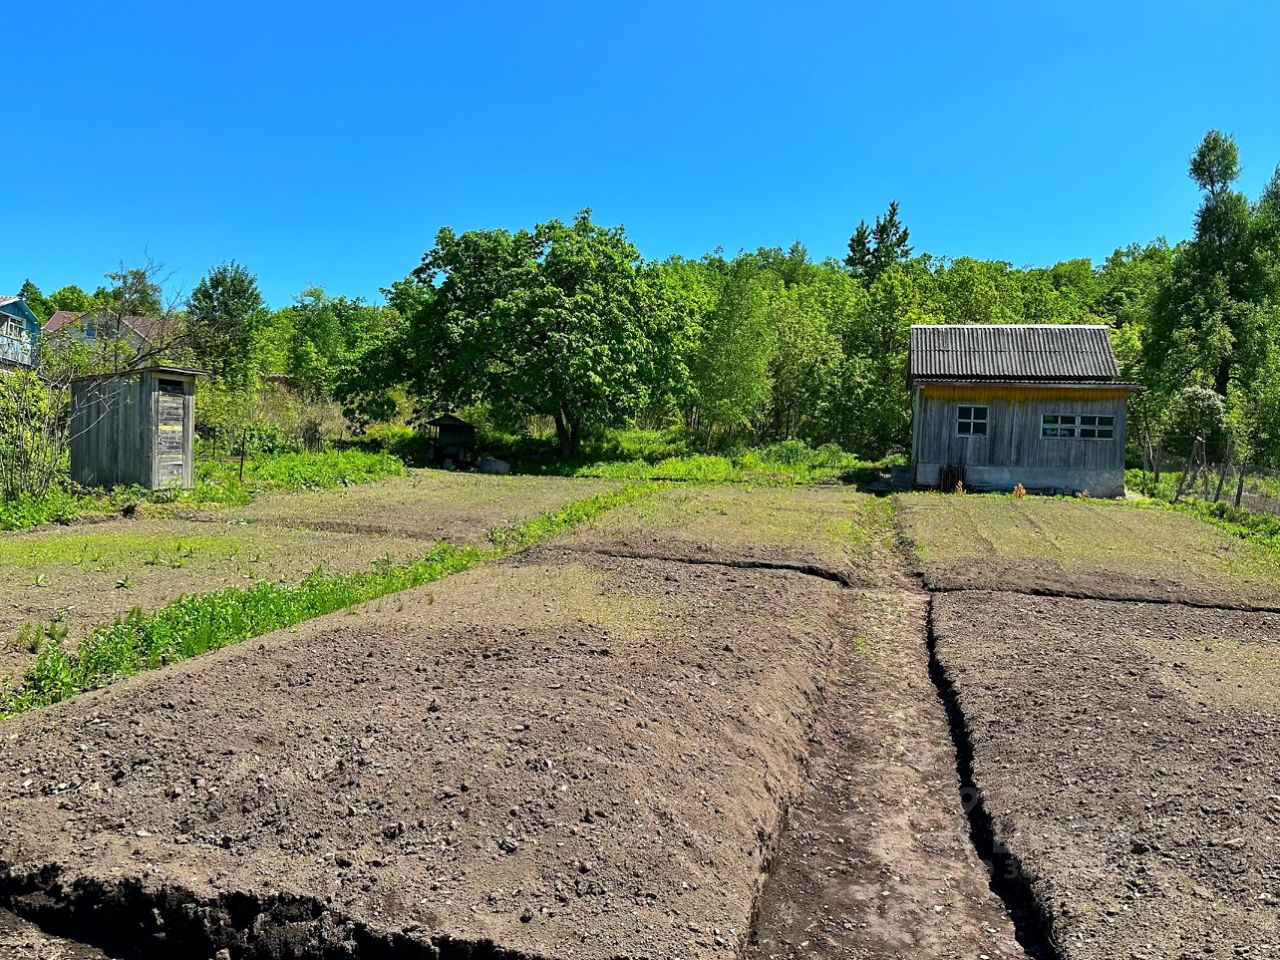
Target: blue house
[[19, 331]]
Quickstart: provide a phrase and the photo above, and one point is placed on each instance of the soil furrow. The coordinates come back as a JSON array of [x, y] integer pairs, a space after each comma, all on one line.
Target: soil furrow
[[1009, 878], [808, 569], [1224, 606], [127, 921]]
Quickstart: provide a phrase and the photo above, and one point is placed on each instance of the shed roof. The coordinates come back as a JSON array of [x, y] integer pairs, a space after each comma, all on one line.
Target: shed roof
[[1046, 353], [447, 420]]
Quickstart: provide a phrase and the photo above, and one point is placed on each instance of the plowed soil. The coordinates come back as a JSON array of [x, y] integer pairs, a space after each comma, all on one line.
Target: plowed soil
[[828, 530], [429, 505], [1127, 752], [83, 576], [1084, 548], [576, 753], [580, 757], [876, 861]]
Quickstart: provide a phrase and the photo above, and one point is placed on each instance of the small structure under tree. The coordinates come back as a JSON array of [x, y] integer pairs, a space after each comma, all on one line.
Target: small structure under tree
[[134, 428], [453, 442]]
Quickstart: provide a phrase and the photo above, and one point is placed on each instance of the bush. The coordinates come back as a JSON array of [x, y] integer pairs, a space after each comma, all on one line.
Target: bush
[[404, 443]]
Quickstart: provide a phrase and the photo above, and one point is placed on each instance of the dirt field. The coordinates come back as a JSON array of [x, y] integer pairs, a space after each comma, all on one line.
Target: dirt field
[[1084, 547], [717, 722], [1128, 755], [428, 504], [834, 530], [85, 575], [82, 576], [570, 754]]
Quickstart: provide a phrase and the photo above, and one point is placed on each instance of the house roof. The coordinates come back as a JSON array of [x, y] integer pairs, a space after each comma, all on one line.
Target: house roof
[[5, 301], [148, 328], [447, 420], [1018, 353]]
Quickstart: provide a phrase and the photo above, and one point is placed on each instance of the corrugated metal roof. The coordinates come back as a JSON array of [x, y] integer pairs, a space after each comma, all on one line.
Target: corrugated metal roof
[[1013, 352]]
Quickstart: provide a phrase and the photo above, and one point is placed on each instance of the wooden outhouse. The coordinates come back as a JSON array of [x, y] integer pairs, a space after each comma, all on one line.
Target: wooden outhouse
[[998, 405], [134, 428]]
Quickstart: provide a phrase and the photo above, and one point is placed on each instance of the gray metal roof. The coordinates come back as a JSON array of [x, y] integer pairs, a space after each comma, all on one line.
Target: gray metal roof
[[1013, 352]]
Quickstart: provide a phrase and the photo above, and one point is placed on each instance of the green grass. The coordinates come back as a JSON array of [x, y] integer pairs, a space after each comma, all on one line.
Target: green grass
[[104, 550], [216, 482], [198, 623], [781, 464]]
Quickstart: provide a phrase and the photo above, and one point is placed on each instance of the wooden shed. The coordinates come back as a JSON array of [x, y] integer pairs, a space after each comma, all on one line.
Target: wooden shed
[[995, 406], [453, 442], [135, 427]]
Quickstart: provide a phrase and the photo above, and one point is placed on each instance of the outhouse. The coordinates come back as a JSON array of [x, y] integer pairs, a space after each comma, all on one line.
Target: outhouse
[[453, 442], [134, 428]]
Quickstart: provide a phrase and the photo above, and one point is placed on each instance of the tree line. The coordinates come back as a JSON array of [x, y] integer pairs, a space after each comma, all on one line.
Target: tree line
[[566, 325]]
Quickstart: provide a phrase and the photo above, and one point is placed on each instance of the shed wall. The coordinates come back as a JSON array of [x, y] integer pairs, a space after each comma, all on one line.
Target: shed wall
[[110, 432], [1013, 450]]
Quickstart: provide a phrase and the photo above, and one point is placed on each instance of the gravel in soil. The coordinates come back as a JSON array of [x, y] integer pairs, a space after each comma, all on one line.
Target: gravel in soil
[[427, 504], [568, 755], [1127, 753], [834, 529], [84, 576], [876, 860], [1091, 548]]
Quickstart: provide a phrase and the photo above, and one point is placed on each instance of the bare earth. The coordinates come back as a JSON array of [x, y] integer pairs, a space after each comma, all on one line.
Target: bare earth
[[574, 754], [718, 722], [85, 575], [1128, 752]]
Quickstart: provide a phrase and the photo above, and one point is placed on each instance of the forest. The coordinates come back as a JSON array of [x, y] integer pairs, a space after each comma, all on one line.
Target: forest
[[563, 332]]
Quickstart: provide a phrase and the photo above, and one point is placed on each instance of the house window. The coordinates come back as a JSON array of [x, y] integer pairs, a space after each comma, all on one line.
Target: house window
[[1080, 426], [971, 421]]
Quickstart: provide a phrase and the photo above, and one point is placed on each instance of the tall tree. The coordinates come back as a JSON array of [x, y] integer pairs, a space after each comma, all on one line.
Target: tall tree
[[223, 313], [873, 250], [559, 320], [36, 301], [1211, 320]]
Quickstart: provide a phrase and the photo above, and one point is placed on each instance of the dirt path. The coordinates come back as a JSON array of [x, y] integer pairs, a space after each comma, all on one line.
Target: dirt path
[[876, 861]]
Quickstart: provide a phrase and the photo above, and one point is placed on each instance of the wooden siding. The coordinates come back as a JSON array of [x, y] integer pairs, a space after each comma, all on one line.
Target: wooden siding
[[1013, 428], [118, 435]]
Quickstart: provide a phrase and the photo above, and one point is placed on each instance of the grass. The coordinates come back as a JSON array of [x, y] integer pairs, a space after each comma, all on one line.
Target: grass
[[217, 482], [197, 623], [103, 550]]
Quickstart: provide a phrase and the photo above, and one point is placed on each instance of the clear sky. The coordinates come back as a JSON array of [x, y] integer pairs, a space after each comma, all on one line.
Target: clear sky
[[325, 143]]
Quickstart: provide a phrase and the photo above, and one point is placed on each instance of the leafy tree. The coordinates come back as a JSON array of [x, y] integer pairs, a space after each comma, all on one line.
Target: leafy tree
[[728, 369], [224, 312], [872, 251], [1210, 321], [69, 298], [36, 301], [559, 320]]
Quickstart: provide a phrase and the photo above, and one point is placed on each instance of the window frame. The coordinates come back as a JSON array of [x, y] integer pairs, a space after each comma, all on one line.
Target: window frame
[[972, 420], [1077, 426]]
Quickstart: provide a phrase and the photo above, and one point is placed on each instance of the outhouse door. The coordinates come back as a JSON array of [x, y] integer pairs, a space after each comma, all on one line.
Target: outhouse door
[[171, 435]]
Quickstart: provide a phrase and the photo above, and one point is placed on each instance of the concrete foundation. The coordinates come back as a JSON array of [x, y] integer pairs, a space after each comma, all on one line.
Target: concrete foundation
[[1108, 482]]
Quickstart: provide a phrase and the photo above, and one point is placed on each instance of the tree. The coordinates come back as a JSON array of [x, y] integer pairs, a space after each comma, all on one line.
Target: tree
[[732, 345], [70, 298], [224, 312], [1210, 321], [559, 320], [872, 251], [322, 334], [36, 301]]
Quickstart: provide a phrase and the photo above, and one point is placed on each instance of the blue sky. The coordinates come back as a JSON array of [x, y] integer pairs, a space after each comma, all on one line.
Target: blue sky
[[324, 143]]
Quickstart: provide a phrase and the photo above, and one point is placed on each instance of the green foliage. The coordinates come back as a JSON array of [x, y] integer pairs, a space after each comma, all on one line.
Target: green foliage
[[299, 471], [559, 321], [56, 506], [224, 313], [402, 442], [872, 252]]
